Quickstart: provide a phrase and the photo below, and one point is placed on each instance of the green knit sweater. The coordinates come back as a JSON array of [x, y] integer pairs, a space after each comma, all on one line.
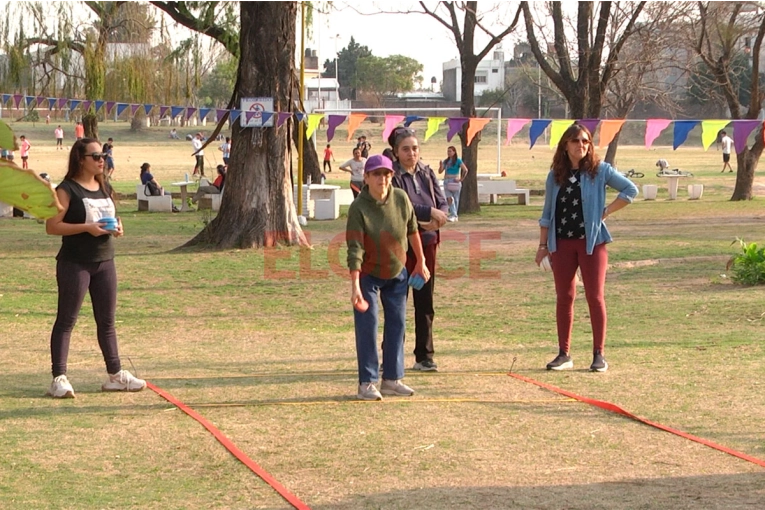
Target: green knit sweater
[[376, 233]]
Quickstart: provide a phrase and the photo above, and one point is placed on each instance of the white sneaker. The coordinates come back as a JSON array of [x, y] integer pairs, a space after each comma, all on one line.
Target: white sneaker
[[368, 391], [396, 388], [123, 381], [61, 388]]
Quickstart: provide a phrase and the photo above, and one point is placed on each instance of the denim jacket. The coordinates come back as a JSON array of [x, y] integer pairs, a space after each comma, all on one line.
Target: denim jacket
[[593, 204]]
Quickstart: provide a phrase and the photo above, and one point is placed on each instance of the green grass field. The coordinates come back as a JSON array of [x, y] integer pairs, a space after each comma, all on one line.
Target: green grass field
[[260, 342]]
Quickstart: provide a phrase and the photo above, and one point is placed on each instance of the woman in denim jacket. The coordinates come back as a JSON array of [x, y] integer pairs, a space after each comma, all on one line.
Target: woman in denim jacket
[[574, 235]]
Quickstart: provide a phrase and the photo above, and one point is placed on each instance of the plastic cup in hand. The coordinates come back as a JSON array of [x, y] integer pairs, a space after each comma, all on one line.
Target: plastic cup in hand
[[108, 224], [416, 282], [545, 263]]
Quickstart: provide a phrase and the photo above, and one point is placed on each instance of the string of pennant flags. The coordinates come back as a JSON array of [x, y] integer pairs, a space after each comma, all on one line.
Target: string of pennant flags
[[608, 127]]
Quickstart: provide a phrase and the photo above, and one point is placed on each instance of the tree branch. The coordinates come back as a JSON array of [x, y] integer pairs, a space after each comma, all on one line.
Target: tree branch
[[205, 24]]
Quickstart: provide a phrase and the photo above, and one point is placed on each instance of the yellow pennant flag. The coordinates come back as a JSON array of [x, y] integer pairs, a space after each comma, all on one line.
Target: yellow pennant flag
[[709, 130], [608, 130], [354, 121], [557, 128], [475, 125], [313, 123], [433, 123]]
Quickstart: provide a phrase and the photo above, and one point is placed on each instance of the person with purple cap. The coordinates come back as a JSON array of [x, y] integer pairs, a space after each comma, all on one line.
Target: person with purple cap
[[381, 228]]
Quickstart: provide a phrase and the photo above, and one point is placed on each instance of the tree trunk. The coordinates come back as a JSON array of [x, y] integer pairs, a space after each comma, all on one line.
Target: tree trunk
[[90, 123], [469, 197], [257, 207], [747, 161]]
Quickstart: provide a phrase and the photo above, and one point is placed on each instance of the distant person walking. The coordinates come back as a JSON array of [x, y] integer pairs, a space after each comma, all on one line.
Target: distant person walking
[[455, 173], [79, 131], [25, 146], [197, 143], [59, 134], [225, 148], [727, 144], [108, 150], [328, 155], [355, 167]]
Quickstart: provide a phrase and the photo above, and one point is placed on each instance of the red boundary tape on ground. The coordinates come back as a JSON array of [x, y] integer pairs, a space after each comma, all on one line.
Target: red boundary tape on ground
[[618, 410], [231, 447]]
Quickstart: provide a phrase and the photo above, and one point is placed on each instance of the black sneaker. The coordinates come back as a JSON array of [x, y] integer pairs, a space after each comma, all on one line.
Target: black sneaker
[[561, 362], [599, 363], [427, 365]]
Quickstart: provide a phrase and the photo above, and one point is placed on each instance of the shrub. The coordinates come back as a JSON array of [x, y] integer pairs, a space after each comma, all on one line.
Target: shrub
[[748, 267]]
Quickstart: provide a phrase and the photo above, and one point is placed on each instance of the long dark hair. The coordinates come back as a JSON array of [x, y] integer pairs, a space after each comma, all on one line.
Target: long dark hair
[[76, 155], [394, 139], [145, 168], [452, 160], [561, 165]]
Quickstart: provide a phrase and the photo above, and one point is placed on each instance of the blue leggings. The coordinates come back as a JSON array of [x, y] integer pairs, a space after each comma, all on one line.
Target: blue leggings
[[100, 278]]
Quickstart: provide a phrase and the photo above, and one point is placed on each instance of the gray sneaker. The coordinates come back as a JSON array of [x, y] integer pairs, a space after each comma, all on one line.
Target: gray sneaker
[[599, 363], [427, 365], [368, 391], [396, 388]]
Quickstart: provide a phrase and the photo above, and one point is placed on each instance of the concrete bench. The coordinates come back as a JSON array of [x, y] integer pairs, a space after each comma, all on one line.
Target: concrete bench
[[150, 203], [489, 191], [209, 200]]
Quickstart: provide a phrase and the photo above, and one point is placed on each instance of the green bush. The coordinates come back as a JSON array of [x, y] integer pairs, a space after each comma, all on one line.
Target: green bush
[[748, 267]]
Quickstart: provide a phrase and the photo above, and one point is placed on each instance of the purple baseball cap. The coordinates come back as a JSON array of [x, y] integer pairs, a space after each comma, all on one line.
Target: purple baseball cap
[[376, 162]]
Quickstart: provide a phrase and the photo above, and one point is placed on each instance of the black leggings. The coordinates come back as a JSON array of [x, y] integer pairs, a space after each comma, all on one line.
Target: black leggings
[[73, 281], [327, 164]]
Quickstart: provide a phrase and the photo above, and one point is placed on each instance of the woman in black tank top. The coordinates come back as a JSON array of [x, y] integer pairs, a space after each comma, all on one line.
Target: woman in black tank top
[[85, 262]]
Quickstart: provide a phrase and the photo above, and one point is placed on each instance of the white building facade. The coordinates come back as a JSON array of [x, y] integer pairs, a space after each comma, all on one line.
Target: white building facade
[[489, 75]]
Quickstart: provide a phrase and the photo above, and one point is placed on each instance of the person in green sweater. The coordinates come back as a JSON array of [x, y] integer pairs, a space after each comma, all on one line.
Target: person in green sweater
[[381, 226]]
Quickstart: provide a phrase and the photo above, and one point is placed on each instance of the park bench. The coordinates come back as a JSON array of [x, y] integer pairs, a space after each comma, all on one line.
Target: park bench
[[150, 203], [490, 190], [209, 200]]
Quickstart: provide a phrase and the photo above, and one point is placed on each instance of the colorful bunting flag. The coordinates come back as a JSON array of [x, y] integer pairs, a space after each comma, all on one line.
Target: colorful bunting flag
[[390, 122], [109, 106], [412, 118], [455, 124], [99, 104], [134, 108], [300, 116], [28, 100], [608, 130], [333, 121], [40, 100], [86, 106], [147, 108], [265, 118], [281, 117], [203, 113], [74, 103], [433, 124], [51, 102], [121, 108], [682, 128], [219, 113], [354, 120], [248, 115], [189, 112], [556, 131], [163, 111], [61, 102], [590, 124], [17, 99], [6, 98], [741, 131], [653, 128], [513, 126], [475, 125], [233, 115], [175, 111], [538, 127], [313, 123], [709, 130]]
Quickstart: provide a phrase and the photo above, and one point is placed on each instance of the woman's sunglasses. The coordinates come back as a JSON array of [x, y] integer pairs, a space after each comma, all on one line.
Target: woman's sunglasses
[[583, 141], [96, 156]]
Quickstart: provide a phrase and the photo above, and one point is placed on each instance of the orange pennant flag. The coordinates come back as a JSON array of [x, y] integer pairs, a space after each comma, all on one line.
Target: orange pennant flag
[[354, 120], [608, 130], [475, 125]]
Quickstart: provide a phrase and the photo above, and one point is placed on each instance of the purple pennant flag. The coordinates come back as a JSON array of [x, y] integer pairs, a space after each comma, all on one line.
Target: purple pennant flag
[[134, 108], [99, 104], [163, 111], [147, 108], [61, 102], [741, 131], [412, 118], [682, 128], [86, 106], [234, 115], [51, 102], [281, 117], [248, 116], [189, 112], [265, 118], [590, 124], [219, 114], [73, 104], [455, 124], [332, 122], [538, 127], [40, 100], [17, 99], [121, 108], [109, 106], [203, 113]]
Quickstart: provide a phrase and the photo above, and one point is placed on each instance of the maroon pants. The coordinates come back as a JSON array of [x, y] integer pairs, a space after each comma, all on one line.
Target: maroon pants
[[570, 255]]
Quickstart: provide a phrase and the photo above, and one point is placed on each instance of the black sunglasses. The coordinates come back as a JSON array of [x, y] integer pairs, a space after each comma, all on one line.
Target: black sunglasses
[[96, 156]]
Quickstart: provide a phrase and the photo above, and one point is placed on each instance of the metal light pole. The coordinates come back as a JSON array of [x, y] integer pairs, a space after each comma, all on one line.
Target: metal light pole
[[337, 76]]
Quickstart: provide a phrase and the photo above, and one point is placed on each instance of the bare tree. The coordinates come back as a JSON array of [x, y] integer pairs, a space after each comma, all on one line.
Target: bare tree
[[464, 36], [584, 81], [721, 31]]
